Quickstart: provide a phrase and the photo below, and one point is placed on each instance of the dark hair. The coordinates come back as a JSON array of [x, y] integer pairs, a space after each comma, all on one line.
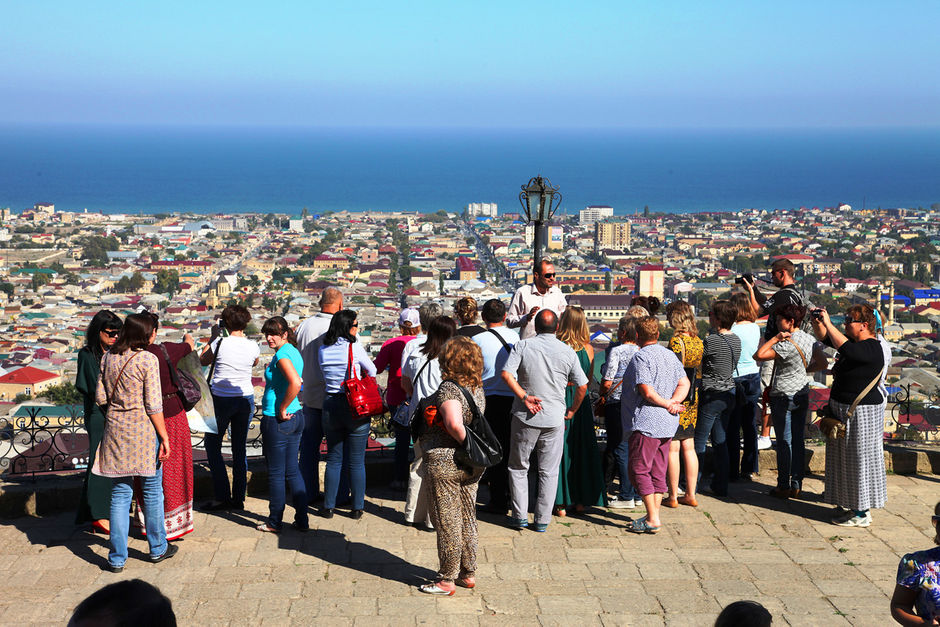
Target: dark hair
[[104, 320], [742, 303], [725, 313], [783, 264], [129, 602], [546, 321], [340, 326], [236, 317], [627, 328], [649, 303], [135, 334], [441, 329], [277, 325], [749, 613], [466, 310], [794, 312], [540, 267], [494, 310], [865, 313]]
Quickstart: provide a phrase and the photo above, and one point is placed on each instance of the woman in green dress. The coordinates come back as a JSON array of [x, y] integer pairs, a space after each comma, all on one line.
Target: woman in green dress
[[102, 332], [581, 476]]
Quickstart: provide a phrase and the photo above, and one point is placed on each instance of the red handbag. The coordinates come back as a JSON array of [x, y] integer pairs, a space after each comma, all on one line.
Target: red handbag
[[363, 394]]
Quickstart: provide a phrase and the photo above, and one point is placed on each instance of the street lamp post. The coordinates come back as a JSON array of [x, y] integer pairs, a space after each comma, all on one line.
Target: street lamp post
[[539, 201]]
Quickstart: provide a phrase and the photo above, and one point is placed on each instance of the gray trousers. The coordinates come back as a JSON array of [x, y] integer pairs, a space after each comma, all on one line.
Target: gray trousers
[[548, 443]]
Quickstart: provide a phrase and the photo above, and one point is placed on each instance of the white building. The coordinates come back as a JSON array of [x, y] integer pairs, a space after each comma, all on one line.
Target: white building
[[481, 209], [593, 213]]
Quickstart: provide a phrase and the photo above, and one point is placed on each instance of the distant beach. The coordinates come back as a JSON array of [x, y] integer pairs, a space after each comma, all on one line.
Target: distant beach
[[209, 170]]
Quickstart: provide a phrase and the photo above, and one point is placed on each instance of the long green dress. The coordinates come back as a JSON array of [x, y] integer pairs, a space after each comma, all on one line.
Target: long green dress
[[96, 490], [581, 476]]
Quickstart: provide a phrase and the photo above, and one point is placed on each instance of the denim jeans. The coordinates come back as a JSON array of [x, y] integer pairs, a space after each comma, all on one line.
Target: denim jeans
[[237, 412], [789, 417], [122, 491], [310, 457], [744, 419], [281, 442], [714, 414], [345, 437], [617, 453]]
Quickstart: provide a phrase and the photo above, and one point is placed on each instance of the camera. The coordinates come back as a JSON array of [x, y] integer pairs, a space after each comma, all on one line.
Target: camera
[[817, 314], [747, 277]]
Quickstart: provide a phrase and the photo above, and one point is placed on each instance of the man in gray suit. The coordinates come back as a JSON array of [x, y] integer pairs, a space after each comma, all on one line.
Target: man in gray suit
[[538, 371]]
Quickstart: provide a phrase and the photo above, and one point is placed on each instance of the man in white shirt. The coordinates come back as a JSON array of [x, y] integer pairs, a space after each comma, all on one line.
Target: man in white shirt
[[309, 337], [496, 343], [530, 298]]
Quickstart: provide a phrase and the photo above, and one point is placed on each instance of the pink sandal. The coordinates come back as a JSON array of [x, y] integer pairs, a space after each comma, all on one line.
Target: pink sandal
[[435, 588], [465, 582]]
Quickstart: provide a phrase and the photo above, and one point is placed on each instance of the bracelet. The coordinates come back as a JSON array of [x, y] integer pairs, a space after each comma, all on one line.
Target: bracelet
[[525, 396]]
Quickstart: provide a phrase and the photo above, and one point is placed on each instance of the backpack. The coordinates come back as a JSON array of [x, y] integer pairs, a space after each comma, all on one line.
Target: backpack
[[187, 388], [806, 326]]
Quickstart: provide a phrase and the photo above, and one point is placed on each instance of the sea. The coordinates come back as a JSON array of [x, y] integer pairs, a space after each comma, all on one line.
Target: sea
[[121, 169]]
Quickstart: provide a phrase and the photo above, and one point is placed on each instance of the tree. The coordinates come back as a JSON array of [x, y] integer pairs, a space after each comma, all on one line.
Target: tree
[[608, 281], [95, 248], [7, 288], [269, 303], [40, 279], [62, 394], [131, 283], [168, 282]]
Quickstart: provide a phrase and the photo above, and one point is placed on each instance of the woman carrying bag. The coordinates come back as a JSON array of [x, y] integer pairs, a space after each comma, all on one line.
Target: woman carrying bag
[[345, 433]]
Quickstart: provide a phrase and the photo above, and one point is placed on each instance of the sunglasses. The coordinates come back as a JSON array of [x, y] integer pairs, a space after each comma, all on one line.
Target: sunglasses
[[354, 324], [549, 275], [935, 519], [850, 321], [111, 332]]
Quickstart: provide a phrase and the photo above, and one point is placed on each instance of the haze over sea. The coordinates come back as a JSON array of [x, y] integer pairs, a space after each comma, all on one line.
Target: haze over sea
[[158, 169]]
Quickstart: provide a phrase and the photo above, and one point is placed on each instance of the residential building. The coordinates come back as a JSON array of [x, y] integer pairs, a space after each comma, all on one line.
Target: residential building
[[481, 210], [593, 213], [611, 234]]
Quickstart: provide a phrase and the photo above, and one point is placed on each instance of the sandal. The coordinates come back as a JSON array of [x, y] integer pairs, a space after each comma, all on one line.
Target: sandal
[[265, 527], [672, 503], [642, 526], [465, 582], [560, 511], [435, 588]]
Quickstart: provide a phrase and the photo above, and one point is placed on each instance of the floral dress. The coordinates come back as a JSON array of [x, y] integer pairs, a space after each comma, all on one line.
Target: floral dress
[[693, 348], [921, 571]]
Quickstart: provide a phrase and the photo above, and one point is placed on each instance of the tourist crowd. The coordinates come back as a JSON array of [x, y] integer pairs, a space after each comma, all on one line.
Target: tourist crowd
[[525, 371]]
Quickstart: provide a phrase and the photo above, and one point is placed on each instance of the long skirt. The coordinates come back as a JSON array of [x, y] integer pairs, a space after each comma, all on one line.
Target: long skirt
[[855, 464], [581, 475], [95, 503], [177, 480]]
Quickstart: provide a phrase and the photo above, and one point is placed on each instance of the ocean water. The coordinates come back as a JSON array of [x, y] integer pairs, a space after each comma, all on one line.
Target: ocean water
[[207, 170]]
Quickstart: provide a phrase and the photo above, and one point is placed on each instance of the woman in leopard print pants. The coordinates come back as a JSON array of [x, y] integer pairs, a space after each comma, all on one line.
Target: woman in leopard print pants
[[453, 488]]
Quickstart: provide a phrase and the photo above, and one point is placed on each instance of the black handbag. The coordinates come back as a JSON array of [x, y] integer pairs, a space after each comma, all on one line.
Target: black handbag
[[480, 447]]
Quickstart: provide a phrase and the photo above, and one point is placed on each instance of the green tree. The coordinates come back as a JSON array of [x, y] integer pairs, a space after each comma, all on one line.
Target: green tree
[[7, 288], [95, 248], [39, 279], [269, 303], [168, 282], [608, 281], [62, 394]]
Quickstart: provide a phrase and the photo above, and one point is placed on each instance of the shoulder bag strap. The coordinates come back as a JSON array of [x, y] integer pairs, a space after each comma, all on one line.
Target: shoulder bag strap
[[473, 404], [126, 364], [421, 369], [169, 364], [350, 371], [500, 338], [802, 354], [731, 350], [215, 358], [859, 398]]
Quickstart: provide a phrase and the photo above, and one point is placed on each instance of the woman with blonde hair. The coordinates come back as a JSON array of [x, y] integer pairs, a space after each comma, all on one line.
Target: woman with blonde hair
[[581, 476], [689, 348], [465, 310], [453, 486]]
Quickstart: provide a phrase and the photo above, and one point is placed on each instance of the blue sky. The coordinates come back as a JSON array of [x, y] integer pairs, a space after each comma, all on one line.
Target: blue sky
[[471, 64]]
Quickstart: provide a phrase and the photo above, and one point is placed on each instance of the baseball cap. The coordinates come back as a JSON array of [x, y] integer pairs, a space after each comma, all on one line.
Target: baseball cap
[[409, 318]]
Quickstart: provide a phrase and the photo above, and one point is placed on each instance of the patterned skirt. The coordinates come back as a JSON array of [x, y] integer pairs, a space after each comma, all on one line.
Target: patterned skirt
[[855, 464], [177, 481]]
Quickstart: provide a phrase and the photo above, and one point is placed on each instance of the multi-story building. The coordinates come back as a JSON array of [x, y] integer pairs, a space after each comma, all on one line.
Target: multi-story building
[[556, 236], [649, 280], [481, 209], [610, 234], [593, 213]]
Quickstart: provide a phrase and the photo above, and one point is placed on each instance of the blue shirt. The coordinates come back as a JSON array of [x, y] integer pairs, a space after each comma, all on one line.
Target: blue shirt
[[494, 358], [750, 342], [275, 383], [334, 359], [656, 366]]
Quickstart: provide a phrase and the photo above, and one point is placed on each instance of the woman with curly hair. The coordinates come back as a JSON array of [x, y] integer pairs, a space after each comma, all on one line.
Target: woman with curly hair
[[688, 347], [453, 486], [581, 475], [465, 310]]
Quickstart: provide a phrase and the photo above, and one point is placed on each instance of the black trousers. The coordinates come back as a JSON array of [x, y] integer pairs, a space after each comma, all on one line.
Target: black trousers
[[499, 414]]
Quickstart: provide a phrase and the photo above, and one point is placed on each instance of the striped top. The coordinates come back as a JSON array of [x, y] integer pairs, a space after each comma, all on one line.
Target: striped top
[[721, 356]]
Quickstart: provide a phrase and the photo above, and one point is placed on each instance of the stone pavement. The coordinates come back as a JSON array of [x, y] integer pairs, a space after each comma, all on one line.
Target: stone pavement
[[585, 571]]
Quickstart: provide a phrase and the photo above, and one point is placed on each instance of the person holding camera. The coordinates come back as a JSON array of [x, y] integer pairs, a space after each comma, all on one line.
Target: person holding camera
[[781, 274], [855, 464]]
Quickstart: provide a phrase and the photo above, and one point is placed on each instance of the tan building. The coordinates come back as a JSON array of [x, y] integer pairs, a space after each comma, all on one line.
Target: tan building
[[650, 280], [602, 307], [26, 380], [610, 234], [329, 262]]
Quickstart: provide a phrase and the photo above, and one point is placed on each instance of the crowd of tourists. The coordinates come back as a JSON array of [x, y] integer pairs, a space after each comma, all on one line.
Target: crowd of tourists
[[525, 370]]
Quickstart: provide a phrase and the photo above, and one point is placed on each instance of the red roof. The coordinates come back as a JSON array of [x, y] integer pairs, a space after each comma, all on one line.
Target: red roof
[[27, 375]]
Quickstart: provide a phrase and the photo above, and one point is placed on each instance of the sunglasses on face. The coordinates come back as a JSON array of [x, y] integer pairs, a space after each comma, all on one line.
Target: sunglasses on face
[[354, 324], [549, 275], [111, 332]]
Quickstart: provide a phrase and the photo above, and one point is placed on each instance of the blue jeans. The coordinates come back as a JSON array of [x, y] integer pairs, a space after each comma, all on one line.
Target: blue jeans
[[281, 441], [122, 491], [345, 437], [235, 411], [616, 455], [714, 414], [789, 417], [744, 419], [310, 456]]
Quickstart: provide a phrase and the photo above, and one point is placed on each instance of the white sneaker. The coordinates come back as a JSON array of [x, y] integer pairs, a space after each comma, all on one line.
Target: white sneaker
[[616, 503], [854, 521], [763, 443]]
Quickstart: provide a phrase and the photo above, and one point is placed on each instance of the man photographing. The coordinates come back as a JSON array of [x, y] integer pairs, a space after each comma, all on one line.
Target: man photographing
[[781, 274]]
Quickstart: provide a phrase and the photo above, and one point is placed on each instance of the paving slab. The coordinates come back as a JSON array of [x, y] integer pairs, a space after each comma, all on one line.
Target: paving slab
[[586, 570]]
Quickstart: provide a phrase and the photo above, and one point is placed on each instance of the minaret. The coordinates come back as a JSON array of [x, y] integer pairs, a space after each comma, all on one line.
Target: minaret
[[891, 304], [878, 296]]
